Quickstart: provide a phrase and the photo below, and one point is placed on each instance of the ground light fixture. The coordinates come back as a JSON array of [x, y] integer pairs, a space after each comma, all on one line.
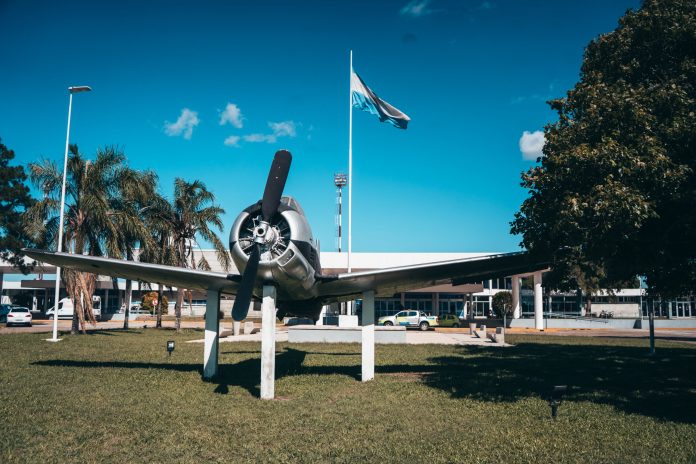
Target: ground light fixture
[[170, 346], [71, 91], [557, 399]]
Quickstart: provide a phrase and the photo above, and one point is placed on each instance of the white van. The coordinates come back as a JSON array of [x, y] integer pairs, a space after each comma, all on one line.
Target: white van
[[66, 308]]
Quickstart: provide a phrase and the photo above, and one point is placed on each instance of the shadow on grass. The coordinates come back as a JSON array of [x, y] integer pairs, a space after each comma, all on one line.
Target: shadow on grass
[[244, 374], [623, 377]]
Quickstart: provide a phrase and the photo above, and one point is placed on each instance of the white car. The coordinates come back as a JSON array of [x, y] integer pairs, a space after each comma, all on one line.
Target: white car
[[19, 315]]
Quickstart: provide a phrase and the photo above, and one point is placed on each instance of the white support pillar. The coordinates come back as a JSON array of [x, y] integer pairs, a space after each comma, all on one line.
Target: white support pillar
[[368, 336], [538, 303], [212, 326], [268, 336], [516, 307]]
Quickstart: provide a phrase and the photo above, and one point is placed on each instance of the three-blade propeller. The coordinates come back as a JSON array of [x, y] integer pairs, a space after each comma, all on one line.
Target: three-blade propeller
[[269, 206]]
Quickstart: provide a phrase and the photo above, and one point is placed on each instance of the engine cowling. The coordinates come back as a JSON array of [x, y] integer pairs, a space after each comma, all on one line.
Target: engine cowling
[[288, 251]]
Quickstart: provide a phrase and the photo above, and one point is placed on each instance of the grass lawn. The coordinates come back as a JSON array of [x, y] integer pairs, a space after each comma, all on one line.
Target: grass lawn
[[117, 397]]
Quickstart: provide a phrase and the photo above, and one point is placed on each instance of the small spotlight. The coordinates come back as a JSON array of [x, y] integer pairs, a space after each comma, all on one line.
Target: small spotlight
[[557, 399], [170, 347]]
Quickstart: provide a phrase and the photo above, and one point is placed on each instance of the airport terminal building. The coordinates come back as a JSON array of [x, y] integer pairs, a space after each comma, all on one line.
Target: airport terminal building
[[467, 301]]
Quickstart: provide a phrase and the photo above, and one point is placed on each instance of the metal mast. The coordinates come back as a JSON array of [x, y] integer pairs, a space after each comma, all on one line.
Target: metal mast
[[340, 180]]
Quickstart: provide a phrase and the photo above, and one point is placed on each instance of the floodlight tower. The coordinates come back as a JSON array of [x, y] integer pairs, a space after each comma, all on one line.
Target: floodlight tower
[[340, 180]]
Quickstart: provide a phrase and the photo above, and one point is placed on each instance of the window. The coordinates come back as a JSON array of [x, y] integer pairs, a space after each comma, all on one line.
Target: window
[[481, 306]]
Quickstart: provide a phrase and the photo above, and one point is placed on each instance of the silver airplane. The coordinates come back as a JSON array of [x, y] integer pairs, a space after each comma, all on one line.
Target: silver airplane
[[271, 243]]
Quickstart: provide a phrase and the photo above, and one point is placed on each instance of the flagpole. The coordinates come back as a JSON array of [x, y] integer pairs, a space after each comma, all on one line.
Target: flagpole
[[350, 165]]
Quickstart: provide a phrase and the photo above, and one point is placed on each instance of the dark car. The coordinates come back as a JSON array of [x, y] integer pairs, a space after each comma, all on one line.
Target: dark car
[[4, 310]]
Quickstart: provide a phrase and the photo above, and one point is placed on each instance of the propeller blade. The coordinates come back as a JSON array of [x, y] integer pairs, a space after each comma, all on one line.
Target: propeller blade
[[275, 184], [246, 287]]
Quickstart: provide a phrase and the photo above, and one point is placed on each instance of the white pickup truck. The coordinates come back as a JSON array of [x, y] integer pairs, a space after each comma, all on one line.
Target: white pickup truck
[[410, 318]]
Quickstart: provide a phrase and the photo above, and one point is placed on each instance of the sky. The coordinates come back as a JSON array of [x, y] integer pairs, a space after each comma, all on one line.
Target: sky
[[210, 90]]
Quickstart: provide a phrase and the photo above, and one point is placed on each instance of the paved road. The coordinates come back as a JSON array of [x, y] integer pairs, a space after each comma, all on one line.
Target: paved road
[[442, 336]]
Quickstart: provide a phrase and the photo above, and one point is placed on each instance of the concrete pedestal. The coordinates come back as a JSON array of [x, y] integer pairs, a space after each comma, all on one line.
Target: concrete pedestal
[[368, 336], [268, 330], [212, 326]]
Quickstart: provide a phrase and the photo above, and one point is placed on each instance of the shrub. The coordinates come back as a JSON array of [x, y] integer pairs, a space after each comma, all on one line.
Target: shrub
[[150, 302], [502, 304]]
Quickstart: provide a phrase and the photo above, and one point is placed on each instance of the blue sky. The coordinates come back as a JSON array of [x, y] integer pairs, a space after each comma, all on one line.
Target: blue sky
[[174, 80]]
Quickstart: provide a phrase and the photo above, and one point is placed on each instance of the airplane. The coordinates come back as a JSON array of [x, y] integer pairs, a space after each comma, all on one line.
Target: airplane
[[271, 243]]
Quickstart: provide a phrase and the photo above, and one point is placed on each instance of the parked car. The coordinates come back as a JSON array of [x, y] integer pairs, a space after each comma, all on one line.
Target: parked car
[[19, 315], [449, 320], [410, 318]]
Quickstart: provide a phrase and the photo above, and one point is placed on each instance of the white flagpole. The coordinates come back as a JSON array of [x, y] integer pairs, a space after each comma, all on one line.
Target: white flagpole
[[350, 165]]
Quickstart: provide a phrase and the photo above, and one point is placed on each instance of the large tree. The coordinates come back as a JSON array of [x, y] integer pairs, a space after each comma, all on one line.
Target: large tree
[[97, 222], [614, 195], [14, 200]]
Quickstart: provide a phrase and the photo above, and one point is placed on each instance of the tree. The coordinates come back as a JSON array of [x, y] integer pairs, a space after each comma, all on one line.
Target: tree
[[614, 195], [159, 218], [137, 195], [177, 227], [14, 200], [502, 304], [93, 222], [151, 301]]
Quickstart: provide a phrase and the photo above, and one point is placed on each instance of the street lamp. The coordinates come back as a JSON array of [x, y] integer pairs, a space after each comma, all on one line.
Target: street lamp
[[71, 90]]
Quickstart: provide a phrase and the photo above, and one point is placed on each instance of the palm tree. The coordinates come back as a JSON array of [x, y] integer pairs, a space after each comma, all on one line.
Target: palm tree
[[94, 222], [193, 213], [159, 218], [138, 193]]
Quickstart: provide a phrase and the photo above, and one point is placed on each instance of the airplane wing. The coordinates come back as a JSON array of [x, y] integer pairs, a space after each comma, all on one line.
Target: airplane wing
[[155, 273], [393, 280]]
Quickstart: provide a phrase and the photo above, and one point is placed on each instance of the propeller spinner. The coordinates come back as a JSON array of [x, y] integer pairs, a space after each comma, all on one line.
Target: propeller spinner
[[263, 232]]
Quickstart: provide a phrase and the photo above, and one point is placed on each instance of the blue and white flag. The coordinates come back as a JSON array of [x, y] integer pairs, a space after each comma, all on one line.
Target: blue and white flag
[[366, 100]]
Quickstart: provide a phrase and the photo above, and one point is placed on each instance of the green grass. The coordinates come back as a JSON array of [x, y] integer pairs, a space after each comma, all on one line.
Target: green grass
[[116, 397]]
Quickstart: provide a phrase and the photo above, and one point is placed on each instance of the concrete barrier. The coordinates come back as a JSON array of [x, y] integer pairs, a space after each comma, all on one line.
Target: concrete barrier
[[333, 334], [248, 328]]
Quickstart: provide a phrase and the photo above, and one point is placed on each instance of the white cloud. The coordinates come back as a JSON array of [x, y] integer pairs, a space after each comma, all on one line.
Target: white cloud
[[283, 128], [232, 141], [416, 8], [184, 125], [531, 144], [280, 129], [232, 115], [258, 138]]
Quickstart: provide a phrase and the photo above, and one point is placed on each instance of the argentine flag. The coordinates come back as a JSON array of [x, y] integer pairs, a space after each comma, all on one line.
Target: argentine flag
[[365, 99]]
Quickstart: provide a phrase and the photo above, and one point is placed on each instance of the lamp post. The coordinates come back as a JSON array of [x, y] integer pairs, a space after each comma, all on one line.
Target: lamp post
[[71, 90]]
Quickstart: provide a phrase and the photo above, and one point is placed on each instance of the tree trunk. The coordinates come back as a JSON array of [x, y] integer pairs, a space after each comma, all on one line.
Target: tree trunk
[[177, 308], [160, 295], [129, 295], [75, 327]]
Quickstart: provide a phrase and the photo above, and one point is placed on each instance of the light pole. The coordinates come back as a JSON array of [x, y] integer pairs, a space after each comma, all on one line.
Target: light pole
[[71, 90]]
